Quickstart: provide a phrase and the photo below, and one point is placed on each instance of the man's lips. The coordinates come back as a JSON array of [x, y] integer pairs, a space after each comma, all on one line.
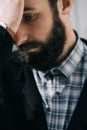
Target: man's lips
[[35, 50]]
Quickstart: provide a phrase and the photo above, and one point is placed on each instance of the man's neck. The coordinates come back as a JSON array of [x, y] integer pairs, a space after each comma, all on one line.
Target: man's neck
[[69, 45]]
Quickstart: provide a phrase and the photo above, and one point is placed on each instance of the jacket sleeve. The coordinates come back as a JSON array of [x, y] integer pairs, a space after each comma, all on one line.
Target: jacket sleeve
[[6, 43]]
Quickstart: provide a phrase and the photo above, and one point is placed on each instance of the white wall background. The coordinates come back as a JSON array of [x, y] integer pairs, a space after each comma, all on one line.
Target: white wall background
[[79, 17]]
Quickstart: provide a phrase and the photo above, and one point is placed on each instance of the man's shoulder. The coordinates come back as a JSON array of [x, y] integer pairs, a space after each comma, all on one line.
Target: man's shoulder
[[15, 58], [13, 64], [84, 41], [84, 59]]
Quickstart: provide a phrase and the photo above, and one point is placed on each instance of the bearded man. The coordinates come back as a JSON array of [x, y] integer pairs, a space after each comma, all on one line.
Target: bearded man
[[42, 82]]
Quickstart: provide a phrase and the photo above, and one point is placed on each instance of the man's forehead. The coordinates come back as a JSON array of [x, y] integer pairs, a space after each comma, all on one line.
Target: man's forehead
[[29, 5], [33, 1], [34, 4]]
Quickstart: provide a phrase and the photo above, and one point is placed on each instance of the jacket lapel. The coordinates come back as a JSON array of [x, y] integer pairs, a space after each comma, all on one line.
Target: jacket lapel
[[33, 102], [79, 118]]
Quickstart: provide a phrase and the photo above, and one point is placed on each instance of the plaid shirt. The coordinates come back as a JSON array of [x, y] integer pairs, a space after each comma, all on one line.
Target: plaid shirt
[[60, 94]]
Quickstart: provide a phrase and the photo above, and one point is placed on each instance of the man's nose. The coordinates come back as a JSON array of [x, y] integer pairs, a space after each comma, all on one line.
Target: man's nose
[[21, 37]]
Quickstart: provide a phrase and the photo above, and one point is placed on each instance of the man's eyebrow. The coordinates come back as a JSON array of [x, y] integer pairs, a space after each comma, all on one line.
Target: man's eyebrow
[[28, 8]]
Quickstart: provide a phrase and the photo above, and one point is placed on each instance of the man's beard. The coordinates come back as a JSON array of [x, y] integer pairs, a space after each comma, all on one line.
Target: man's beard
[[50, 50]]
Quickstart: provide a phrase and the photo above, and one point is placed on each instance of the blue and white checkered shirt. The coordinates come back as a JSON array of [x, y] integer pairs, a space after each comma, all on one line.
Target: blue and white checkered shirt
[[60, 94]]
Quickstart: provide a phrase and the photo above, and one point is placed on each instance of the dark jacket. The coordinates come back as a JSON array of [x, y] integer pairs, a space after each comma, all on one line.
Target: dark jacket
[[20, 102]]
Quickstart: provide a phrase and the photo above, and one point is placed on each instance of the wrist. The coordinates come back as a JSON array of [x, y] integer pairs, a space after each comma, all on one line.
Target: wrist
[[10, 31]]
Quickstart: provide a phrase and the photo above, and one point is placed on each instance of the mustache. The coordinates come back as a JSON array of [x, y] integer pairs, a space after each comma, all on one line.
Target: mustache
[[29, 45]]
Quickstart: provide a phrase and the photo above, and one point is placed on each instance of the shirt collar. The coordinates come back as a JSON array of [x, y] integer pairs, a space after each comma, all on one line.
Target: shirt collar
[[68, 66]]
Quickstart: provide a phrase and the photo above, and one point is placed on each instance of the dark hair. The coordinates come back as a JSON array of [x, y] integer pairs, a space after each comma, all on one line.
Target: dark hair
[[52, 2], [53, 5]]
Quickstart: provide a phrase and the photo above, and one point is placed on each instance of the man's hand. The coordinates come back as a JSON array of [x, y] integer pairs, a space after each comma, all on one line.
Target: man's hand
[[11, 12]]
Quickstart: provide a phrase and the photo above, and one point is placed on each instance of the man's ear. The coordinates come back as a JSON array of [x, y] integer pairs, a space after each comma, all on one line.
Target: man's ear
[[65, 5]]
